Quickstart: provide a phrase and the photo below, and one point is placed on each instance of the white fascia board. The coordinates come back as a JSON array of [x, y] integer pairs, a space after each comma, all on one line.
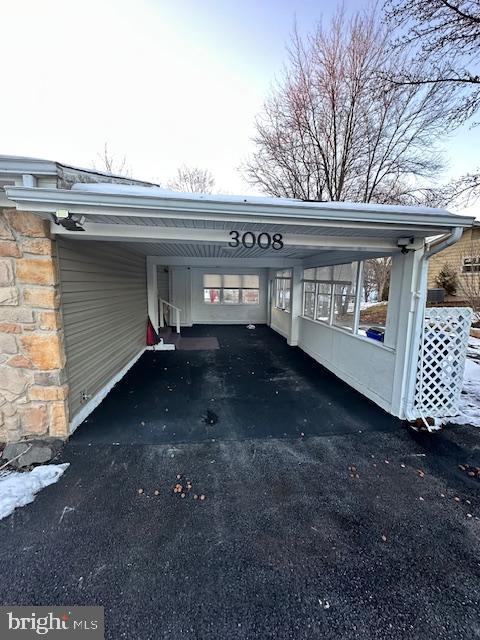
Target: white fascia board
[[139, 233], [17, 166], [49, 200]]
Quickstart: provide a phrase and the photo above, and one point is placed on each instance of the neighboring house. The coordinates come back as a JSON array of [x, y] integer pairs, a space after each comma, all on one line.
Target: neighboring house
[[87, 257], [463, 257]]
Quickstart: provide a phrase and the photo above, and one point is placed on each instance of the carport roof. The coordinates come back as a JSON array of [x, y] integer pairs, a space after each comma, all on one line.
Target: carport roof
[[131, 200], [190, 226]]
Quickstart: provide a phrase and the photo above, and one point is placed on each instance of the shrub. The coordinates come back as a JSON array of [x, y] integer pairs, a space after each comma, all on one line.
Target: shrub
[[447, 279]]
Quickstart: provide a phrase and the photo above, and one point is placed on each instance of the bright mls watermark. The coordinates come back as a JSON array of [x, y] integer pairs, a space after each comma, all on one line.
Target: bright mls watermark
[[24, 623]]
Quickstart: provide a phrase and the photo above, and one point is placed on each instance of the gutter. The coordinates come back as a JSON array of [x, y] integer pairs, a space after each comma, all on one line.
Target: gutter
[[94, 203], [417, 312]]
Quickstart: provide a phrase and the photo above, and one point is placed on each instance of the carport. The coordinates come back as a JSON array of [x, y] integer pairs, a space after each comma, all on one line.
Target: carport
[[126, 252], [253, 387]]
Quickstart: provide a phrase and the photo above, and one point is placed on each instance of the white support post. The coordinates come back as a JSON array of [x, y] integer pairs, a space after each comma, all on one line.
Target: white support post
[[406, 303], [152, 291], [177, 311], [161, 313], [29, 180], [296, 305], [358, 297]]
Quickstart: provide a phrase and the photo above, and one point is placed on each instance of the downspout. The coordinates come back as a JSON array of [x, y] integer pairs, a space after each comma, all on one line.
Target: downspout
[[419, 296]]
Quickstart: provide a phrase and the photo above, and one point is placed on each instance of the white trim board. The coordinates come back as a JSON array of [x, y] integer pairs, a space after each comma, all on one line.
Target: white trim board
[[92, 404], [161, 346]]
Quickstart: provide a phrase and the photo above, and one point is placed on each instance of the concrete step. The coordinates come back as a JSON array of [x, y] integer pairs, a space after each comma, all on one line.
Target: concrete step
[[173, 338], [168, 335]]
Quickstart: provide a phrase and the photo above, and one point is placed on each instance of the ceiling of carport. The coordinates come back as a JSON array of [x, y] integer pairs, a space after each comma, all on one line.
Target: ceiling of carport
[[334, 230], [215, 251]]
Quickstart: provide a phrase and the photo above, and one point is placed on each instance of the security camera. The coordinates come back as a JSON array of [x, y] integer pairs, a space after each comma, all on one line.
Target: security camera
[[69, 221], [405, 243]]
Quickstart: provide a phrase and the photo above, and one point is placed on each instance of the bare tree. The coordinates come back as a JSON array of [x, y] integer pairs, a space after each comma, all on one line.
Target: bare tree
[[334, 128], [369, 282], [192, 180], [379, 269], [108, 162], [445, 36], [460, 192]]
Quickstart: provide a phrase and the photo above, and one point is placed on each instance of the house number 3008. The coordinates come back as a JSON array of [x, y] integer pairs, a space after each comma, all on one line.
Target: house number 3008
[[263, 240]]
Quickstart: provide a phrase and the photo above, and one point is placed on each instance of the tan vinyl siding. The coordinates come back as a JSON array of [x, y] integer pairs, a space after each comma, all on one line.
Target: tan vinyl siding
[[104, 307], [468, 244]]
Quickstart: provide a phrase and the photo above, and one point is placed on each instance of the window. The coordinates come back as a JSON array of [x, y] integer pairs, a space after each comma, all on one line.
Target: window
[[324, 295], [231, 289], [471, 264], [309, 289], [211, 296], [330, 294], [283, 288], [250, 296], [345, 282]]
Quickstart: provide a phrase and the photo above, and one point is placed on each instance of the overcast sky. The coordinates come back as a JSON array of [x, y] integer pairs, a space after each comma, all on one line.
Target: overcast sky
[[164, 82]]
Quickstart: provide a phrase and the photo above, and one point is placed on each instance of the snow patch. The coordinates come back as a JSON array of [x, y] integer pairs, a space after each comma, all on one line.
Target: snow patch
[[368, 305], [18, 489], [469, 405], [158, 192]]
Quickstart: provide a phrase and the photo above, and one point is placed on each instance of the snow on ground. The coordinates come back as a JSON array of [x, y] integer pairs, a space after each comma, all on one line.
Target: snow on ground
[[367, 305], [18, 489], [470, 398]]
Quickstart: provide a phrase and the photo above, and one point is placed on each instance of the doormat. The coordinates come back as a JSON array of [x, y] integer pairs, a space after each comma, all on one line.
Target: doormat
[[198, 344]]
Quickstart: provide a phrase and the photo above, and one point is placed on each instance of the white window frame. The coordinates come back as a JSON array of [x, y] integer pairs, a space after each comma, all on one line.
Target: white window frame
[[281, 281], [357, 300], [471, 264], [221, 301]]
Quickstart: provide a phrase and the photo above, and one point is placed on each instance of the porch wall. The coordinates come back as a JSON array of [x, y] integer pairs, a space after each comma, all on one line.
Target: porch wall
[[186, 288], [33, 389], [280, 321], [374, 369], [366, 366]]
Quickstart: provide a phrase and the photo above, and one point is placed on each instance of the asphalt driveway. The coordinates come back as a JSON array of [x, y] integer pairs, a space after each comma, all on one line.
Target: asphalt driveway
[[359, 529]]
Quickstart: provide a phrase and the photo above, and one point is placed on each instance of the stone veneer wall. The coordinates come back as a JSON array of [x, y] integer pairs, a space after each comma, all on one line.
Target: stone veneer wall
[[33, 386]]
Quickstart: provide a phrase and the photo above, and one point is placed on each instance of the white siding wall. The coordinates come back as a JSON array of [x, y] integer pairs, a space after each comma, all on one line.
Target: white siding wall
[[280, 321], [163, 283], [104, 306], [228, 314], [181, 293]]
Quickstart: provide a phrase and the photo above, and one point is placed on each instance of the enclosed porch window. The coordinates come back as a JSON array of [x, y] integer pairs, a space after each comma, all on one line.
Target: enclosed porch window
[[231, 288], [332, 294], [283, 288]]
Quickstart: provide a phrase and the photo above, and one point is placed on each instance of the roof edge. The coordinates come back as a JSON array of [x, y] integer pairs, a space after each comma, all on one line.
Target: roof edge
[[20, 165], [49, 200]]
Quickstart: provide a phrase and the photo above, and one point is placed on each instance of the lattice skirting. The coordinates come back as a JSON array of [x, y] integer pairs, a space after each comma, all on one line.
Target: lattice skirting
[[441, 362]]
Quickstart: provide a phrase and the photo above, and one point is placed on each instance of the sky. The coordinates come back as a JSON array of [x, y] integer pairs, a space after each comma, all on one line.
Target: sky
[[163, 82]]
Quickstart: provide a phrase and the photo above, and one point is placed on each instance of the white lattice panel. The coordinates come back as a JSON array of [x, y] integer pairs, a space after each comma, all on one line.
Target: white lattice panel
[[441, 361]]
